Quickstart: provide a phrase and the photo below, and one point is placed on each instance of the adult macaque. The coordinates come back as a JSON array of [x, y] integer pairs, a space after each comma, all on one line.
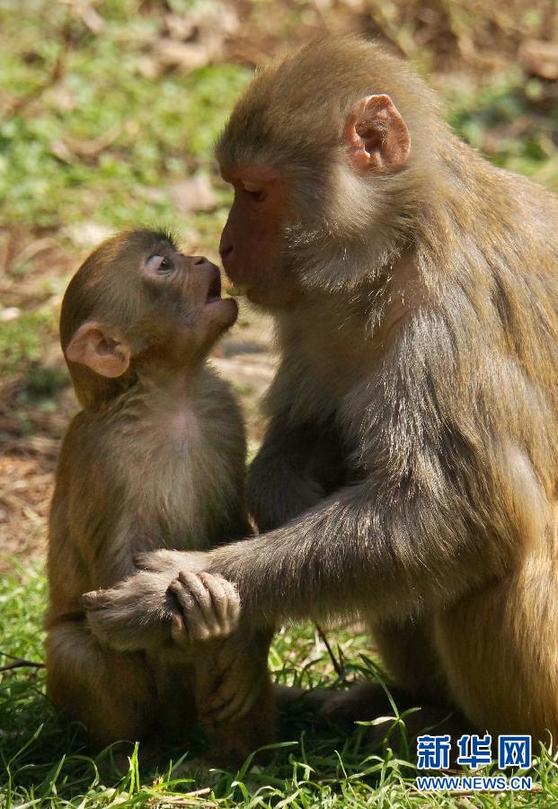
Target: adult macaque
[[156, 459], [415, 292]]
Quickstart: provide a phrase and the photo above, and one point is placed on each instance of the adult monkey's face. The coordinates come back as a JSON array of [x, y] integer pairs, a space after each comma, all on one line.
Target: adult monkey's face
[[310, 158]]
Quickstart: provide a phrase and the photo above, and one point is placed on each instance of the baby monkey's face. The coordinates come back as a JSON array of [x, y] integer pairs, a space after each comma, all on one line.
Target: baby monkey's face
[[137, 301], [189, 287], [184, 308]]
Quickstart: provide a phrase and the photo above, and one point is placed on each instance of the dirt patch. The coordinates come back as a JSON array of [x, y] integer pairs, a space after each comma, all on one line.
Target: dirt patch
[[25, 491]]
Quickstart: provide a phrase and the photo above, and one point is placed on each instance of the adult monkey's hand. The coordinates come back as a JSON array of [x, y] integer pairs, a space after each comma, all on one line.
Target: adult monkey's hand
[[169, 598]]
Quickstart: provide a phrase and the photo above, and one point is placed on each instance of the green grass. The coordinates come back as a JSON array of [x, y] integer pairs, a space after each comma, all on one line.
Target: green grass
[[44, 761], [20, 339], [104, 144], [510, 121]]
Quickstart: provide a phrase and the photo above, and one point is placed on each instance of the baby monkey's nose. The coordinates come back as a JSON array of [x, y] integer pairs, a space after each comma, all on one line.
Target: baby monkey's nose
[[201, 264]]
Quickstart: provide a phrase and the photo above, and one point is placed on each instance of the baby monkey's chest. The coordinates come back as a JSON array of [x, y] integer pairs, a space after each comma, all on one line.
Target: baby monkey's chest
[[193, 488]]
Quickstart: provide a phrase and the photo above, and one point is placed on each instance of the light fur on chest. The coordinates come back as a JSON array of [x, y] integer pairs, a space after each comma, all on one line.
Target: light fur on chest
[[195, 447]]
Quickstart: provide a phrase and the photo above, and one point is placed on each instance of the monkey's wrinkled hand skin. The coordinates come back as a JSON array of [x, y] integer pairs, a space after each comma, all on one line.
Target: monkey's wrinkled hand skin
[[230, 681], [208, 607], [209, 604]]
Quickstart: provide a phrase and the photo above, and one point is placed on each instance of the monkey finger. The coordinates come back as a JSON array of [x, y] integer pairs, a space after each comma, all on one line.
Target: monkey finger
[[183, 595], [239, 704], [201, 596], [231, 683], [233, 603], [214, 705], [179, 631], [177, 624], [220, 596], [94, 600], [191, 614], [198, 626], [199, 630], [237, 709], [195, 626]]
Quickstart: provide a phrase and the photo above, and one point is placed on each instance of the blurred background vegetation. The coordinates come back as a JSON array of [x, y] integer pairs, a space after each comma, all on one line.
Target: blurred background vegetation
[[108, 114]]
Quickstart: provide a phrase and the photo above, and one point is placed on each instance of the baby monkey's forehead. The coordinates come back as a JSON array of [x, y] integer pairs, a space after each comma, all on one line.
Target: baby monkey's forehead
[[162, 246], [153, 240]]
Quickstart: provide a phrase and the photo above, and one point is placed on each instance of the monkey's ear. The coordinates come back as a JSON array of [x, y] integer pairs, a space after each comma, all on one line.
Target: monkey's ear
[[99, 348], [376, 135]]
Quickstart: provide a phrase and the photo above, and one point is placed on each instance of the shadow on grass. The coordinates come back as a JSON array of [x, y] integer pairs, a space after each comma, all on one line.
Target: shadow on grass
[[44, 757]]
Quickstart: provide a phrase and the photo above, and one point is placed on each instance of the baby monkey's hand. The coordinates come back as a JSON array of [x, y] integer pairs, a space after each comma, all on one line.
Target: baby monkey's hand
[[209, 607]]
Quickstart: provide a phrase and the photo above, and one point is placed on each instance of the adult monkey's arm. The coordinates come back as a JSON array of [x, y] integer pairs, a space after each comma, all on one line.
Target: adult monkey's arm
[[415, 532]]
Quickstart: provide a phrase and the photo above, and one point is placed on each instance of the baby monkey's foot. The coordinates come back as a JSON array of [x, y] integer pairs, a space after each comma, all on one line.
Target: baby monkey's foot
[[209, 607], [234, 679]]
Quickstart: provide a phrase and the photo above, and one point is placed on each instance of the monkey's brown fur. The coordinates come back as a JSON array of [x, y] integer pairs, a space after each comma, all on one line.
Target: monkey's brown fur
[[417, 316], [155, 459]]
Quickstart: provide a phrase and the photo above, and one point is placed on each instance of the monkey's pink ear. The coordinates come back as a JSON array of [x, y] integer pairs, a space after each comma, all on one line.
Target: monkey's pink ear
[[376, 135], [99, 348]]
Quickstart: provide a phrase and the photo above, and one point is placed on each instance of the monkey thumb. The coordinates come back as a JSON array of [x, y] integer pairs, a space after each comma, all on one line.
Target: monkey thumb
[[92, 600]]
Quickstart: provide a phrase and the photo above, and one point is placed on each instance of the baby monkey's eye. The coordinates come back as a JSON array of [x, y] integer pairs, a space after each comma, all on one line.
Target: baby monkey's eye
[[160, 264]]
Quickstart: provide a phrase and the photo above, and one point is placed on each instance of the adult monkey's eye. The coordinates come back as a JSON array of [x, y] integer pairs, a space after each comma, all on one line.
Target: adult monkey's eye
[[160, 264], [257, 194]]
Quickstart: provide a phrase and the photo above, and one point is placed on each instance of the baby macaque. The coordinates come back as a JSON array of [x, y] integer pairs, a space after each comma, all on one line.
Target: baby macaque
[[154, 460]]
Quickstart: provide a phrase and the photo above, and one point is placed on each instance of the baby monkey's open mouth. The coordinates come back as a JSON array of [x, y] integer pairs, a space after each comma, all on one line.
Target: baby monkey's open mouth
[[214, 291]]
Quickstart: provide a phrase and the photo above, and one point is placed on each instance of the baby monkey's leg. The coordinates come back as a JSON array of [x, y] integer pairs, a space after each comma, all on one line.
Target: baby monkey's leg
[[112, 693], [234, 698], [234, 695]]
